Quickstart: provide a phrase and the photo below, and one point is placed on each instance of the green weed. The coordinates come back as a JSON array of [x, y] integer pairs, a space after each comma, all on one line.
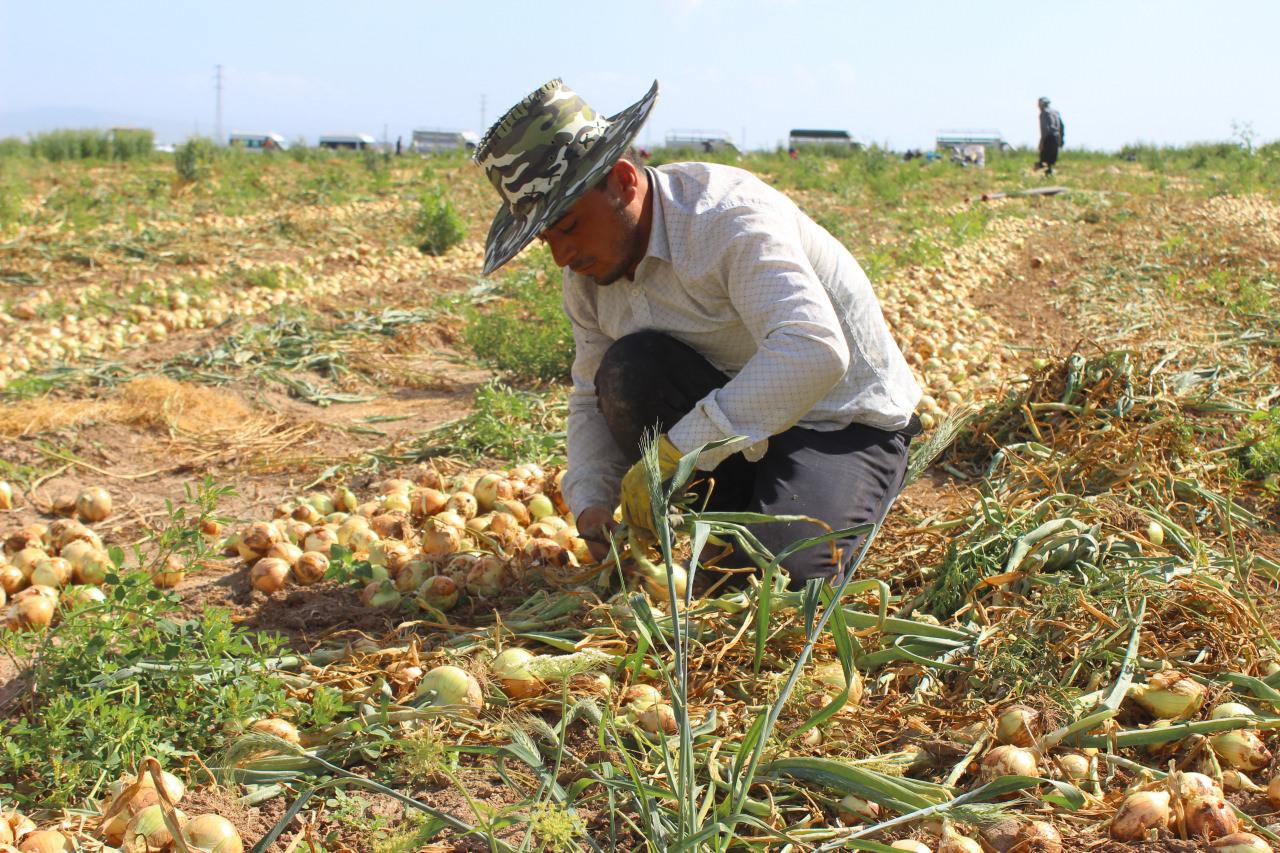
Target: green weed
[[527, 335], [507, 424], [438, 226], [1260, 454], [129, 677], [192, 159]]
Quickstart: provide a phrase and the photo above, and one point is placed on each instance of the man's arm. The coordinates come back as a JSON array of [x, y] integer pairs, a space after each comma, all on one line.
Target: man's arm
[[596, 464], [801, 349]]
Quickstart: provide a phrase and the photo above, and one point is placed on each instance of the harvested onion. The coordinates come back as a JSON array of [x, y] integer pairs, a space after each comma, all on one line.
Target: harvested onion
[[511, 668], [1017, 726], [1210, 817], [450, 685], [93, 504], [1008, 760], [45, 841], [1243, 749], [211, 833], [439, 591], [269, 575], [1240, 842], [310, 568], [1169, 695], [1140, 812]]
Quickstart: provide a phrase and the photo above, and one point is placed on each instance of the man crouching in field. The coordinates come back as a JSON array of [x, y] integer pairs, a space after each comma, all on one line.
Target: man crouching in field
[[706, 302]]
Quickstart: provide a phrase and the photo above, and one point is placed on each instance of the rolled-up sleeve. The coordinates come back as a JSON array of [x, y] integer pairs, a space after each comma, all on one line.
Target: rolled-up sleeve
[[801, 351], [596, 465]]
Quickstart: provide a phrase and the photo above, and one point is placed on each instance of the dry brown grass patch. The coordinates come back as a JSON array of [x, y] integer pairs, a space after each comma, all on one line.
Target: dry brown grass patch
[[150, 401]]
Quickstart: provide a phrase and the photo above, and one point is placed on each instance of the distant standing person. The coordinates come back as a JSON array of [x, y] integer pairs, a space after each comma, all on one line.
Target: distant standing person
[[398, 138], [1052, 136]]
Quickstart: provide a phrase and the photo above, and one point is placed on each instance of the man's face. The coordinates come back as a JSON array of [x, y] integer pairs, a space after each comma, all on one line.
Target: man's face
[[596, 238]]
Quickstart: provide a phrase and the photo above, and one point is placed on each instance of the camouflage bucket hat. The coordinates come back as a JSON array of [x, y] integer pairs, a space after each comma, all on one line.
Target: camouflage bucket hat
[[543, 155]]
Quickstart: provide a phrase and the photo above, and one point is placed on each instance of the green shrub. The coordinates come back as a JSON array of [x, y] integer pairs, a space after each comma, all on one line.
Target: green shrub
[[439, 226], [11, 147], [527, 336], [192, 159], [505, 423]]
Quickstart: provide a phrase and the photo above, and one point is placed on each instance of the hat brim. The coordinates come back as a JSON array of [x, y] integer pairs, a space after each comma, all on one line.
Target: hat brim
[[509, 234]]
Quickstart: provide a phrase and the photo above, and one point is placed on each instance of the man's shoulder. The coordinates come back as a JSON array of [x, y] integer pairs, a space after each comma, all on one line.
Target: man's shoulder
[[703, 188]]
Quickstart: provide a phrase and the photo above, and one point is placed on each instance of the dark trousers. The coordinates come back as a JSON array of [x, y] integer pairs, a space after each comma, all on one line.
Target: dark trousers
[[1048, 153], [843, 477]]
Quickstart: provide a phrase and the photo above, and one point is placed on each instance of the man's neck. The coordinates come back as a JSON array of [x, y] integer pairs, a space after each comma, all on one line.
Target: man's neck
[[644, 225]]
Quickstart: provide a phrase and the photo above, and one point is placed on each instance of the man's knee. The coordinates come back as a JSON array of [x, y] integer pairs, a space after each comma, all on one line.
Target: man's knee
[[629, 365]]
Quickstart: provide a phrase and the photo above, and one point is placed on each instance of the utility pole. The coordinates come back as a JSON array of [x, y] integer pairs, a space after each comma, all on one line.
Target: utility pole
[[217, 124]]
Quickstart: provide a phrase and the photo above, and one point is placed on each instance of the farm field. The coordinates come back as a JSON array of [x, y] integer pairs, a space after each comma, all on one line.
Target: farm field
[[332, 523]]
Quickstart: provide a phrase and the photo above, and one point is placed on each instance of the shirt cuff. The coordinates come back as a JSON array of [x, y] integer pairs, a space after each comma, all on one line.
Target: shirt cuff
[[706, 423]]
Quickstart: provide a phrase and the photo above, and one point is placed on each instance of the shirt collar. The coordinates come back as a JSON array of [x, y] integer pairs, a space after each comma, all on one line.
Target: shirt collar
[[659, 245]]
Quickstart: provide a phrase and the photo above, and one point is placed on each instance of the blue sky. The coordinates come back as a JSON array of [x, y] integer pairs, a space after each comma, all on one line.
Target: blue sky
[[889, 72]]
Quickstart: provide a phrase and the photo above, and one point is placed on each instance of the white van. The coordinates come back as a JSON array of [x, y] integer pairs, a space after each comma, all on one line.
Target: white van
[[430, 140], [348, 141], [257, 141]]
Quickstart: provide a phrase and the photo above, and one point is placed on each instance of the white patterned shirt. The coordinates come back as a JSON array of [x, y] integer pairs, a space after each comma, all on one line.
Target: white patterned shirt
[[736, 271]]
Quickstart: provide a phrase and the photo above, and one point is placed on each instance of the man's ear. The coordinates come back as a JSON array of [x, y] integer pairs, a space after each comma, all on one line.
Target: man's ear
[[626, 179]]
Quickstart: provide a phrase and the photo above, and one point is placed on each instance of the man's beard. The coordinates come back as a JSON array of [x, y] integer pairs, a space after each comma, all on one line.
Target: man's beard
[[629, 244]]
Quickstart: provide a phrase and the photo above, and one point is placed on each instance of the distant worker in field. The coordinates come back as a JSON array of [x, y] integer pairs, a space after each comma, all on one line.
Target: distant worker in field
[[703, 301], [1052, 136]]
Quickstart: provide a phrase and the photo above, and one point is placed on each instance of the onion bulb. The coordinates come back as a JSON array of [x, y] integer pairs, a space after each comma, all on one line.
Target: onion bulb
[[390, 525], [1075, 766], [6, 495], [320, 539], [1243, 749], [269, 575], [1008, 760], [912, 845], [344, 499], [1231, 709], [488, 577], [439, 540], [1210, 817], [853, 809], [93, 568], [380, 594], [169, 574], [33, 612], [511, 668], [640, 696], [439, 592], [27, 559], [311, 567], [831, 674], [1155, 533], [278, 727], [1192, 785], [540, 507], [489, 489], [146, 831], [1169, 695], [52, 571], [1240, 842], [12, 579], [260, 536], [1038, 836], [463, 503], [953, 842], [286, 551], [1017, 726], [515, 508], [396, 502], [409, 578], [450, 685], [426, 501], [1140, 812], [654, 577], [211, 833], [1234, 780], [658, 718], [93, 504], [45, 841]]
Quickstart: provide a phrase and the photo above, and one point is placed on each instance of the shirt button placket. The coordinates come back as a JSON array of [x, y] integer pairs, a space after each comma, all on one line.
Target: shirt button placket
[[640, 308]]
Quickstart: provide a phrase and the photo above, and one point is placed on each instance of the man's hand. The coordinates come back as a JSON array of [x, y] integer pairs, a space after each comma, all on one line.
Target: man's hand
[[594, 526], [637, 512]]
